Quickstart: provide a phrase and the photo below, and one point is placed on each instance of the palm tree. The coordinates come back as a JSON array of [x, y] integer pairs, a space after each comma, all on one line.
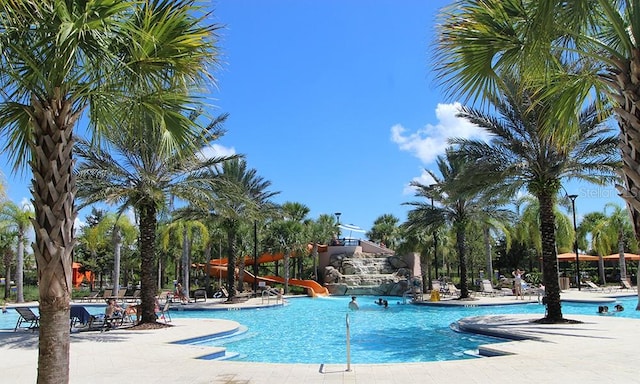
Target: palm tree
[[19, 219], [244, 196], [186, 230], [385, 230], [59, 59], [454, 206], [146, 175], [479, 40], [320, 231], [522, 154], [610, 233]]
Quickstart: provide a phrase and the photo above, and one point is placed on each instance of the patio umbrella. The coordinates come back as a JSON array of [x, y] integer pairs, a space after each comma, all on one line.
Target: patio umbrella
[[581, 257], [627, 256]]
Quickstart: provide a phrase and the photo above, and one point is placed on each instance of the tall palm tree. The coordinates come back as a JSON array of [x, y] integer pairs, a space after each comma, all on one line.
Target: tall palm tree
[[522, 154], [592, 226], [243, 196], [59, 59], [145, 175], [454, 206], [480, 39], [320, 231], [385, 230], [19, 219]]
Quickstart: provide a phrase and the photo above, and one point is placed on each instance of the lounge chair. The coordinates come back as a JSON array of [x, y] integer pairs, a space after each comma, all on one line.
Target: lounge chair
[[27, 317], [591, 286], [487, 288], [163, 313], [199, 294], [134, 297], [453, 290], [91, 296], [81, 319], [626, 285]]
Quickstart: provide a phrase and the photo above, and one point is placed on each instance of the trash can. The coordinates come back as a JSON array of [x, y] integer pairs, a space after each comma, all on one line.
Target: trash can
[[564, 283]]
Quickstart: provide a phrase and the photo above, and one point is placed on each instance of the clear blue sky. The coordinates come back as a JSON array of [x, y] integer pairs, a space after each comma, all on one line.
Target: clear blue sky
[[335, 103]]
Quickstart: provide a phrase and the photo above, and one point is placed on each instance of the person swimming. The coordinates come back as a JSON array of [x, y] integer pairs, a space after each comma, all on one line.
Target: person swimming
[[619, 308]]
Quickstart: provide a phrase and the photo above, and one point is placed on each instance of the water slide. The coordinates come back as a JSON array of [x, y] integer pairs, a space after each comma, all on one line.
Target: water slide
[[219, 269]]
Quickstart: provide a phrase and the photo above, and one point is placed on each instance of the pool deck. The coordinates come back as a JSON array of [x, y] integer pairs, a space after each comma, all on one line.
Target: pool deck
[[600, 349]]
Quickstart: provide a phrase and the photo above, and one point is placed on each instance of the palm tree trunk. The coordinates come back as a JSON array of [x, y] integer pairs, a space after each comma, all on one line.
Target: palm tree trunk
[[487, 248], [53, 189], [231, 264], [287, 256], [462, 257], [603, 279], [20, 269], [623, 264], [148, 287], [185, 260], [549, 258]]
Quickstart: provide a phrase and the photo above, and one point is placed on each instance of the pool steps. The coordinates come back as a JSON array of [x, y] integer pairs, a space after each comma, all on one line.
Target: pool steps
[[219, 353]]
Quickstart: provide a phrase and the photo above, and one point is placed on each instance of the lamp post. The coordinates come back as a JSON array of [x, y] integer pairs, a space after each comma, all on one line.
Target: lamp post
[[575, 241], [338, 219], [255, 256]]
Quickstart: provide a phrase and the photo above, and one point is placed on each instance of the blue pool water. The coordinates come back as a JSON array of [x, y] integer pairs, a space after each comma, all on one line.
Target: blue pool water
[[313, 330]]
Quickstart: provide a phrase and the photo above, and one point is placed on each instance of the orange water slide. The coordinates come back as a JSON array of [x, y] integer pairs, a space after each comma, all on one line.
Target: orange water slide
[[313, 288], [248, 260]]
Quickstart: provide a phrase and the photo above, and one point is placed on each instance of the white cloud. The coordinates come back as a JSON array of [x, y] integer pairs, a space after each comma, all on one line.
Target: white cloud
[[432, 140], [216, 150], [424, 179]]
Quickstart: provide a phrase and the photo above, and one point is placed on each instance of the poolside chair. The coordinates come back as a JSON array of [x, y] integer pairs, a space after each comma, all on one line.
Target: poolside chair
[[487, 288], [163, 313], [591, 286], [453, 290], [81, 319], [626, 285], [91, 296], [134, 297], [27, 317]]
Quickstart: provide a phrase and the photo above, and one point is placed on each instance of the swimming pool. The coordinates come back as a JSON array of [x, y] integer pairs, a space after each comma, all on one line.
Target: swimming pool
[[313, 330]]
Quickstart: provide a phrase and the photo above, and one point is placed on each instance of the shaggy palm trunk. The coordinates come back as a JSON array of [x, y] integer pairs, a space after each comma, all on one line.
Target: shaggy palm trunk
[[603, 279], [287, 256], [487, 249], [20, 269], [53, 190], [623, 263], [148, 288], [241, 266], [462, 258], [231, 264], [549, 257], [625, 81]]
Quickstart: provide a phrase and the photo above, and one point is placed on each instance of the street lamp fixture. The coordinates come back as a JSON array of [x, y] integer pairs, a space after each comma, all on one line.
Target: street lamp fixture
[[338, 219], [575, 241]]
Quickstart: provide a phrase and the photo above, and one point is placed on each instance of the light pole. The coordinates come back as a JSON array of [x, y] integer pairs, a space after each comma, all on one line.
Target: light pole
[[255, 256], [575, 241], [338, 219]]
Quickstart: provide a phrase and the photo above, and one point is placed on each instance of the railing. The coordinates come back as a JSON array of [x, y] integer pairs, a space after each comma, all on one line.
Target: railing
[[270, 293]]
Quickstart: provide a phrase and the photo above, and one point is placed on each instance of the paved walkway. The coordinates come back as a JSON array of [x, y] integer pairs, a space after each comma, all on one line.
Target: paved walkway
[[600, 349]]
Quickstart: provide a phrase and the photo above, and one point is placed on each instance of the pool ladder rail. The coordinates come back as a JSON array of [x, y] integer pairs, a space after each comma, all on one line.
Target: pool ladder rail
[[269, 294]]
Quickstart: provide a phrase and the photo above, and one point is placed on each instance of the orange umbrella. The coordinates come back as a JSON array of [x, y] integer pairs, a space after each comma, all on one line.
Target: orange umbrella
[[572, 257]]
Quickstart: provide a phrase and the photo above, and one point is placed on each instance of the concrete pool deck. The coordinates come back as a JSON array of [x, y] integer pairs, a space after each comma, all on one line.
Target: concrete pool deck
[[600, 349]]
